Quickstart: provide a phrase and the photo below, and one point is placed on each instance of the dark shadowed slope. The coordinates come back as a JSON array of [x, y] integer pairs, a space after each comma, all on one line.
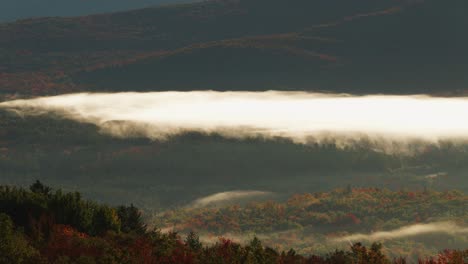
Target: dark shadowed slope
[[22, 9], [363, 46]]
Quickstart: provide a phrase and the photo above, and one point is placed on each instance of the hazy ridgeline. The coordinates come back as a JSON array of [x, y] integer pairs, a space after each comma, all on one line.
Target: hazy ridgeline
[[27, 9]]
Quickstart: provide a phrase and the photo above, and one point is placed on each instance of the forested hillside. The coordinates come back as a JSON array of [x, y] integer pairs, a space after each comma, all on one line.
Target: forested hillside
[[155, 174], [25, 9], [320, 222], [348, 209], [41, 225], [395, 47]]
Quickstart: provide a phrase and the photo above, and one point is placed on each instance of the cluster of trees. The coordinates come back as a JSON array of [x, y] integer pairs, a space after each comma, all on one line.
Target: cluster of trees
[[54, 227], [39, 209]]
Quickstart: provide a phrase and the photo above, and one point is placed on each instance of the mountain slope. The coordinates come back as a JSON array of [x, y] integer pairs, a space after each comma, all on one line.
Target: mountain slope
[[23, 9], [363, 46], [158, 174]]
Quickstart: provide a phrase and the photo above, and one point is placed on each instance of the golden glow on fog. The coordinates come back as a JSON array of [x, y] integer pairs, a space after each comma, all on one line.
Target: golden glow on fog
[[291, 114]]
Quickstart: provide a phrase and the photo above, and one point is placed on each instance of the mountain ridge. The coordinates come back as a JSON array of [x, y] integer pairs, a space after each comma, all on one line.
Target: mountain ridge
[[393, 47], [13, 10]]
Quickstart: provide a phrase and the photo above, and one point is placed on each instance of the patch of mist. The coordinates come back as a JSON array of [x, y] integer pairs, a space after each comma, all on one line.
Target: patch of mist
[[449, 228], [231, 197], [435, 175]]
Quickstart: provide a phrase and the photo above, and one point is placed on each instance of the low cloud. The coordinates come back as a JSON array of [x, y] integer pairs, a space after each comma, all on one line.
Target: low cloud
[[449, 228], [298, 116]]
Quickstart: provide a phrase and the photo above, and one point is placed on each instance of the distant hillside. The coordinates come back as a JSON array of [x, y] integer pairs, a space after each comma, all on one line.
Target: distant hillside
[[22, 9], [315, 222], [160, 174], [364, 46]]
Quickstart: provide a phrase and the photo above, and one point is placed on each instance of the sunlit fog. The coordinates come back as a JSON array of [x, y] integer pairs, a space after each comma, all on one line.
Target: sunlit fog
[[294, 115]]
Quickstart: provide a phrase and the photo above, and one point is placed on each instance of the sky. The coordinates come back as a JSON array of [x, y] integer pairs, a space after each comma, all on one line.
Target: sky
[[11, 10]]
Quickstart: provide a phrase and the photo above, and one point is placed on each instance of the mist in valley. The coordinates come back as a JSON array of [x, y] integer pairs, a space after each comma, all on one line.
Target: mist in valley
[[299, 116]]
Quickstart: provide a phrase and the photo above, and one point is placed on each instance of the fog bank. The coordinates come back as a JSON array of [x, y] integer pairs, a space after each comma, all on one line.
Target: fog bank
[[294, 115]]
